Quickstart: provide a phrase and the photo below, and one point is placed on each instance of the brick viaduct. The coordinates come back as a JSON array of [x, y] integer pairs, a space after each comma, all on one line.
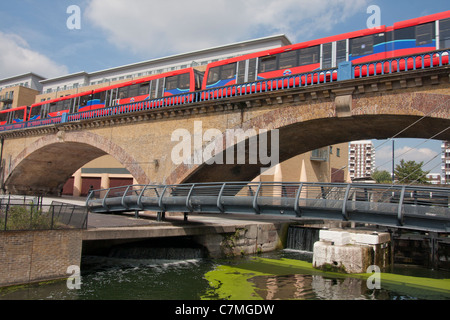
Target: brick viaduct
[[414, 104]]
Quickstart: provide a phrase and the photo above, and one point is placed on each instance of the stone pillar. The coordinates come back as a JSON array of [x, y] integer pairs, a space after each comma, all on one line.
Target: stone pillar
[[77, 183], [104, 183], [343, 102]]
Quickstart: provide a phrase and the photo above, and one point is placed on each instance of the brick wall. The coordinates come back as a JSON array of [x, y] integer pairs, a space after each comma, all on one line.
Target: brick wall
[[33, 256]]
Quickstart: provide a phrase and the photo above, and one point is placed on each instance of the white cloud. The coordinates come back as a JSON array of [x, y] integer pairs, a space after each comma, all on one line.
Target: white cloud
[[16, 58], [425, 155], [173, 26]]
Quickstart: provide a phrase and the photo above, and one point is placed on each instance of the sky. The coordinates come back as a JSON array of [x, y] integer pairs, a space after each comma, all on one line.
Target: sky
[[49, 38]]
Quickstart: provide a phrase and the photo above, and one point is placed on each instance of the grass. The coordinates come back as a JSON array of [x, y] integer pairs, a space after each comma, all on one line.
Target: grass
[[26, 218]]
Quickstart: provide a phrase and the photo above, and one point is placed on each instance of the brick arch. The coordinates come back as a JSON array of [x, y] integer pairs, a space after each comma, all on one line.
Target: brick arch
[[316, 124], [45, 165]]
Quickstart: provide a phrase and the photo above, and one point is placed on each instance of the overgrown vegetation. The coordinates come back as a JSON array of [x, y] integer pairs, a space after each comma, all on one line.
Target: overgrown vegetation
[[25, 218]]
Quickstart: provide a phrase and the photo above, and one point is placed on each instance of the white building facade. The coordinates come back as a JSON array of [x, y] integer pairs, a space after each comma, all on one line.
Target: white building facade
[[361, 160], [445, 167]]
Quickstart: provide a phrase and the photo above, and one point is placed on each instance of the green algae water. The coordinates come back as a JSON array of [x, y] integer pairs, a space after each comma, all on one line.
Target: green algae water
[[282, 275]]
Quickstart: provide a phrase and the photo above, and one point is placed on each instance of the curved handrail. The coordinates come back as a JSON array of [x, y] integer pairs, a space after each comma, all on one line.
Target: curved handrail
[[419, 207]]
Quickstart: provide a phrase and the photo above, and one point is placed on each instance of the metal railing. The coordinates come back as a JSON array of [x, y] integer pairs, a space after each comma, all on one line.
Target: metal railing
[[25, 214], [413, 207], [345, 71]]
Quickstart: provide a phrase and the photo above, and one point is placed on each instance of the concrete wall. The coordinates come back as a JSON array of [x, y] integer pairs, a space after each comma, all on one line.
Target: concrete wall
[[34, 256], [247, 239]]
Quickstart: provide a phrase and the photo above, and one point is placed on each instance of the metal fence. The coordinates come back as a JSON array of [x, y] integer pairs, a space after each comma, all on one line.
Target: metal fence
[[417, 207], [24, 214]]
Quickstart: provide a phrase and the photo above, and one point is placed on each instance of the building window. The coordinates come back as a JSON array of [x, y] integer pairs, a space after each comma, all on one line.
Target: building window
[[338, 152]]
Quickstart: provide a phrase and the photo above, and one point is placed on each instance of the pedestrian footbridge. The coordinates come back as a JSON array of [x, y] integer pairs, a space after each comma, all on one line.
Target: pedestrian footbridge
[[410, 207]]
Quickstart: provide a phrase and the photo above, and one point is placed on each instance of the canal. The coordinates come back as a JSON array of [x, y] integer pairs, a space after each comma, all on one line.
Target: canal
[[284, 274]]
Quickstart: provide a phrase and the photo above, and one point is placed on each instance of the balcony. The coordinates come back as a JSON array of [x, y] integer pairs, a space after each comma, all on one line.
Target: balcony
[[320, 155], [7, 98]]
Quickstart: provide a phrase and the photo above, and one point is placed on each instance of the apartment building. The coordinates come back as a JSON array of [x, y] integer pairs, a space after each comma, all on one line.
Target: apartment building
[[361, 159], [445, 167]]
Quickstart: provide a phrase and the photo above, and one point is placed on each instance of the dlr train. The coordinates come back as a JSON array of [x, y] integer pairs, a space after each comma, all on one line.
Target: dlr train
[[410, 37]]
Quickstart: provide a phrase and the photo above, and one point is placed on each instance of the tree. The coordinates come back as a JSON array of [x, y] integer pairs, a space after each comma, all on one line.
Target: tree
[[411, 172], [382, 176]]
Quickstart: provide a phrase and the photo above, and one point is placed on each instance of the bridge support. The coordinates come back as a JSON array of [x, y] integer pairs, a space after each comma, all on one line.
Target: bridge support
[[352, 251]]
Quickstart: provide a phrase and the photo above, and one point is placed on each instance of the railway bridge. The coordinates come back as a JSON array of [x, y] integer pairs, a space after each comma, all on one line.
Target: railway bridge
[[151, 142]]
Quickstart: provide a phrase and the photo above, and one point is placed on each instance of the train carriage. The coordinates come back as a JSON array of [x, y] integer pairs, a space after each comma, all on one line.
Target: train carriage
[[404, 38], [57, 107], [150, 88], [125, 94], [16, 115]]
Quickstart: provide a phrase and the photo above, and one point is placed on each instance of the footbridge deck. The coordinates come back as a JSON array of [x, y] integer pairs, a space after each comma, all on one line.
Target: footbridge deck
[[411, 207]]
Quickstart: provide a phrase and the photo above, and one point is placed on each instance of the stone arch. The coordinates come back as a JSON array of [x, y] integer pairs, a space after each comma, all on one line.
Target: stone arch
[[61, 155], [316, 125]]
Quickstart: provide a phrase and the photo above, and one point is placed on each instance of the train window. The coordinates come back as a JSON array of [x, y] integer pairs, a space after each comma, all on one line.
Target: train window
[[184, 81], [52, 107], [123, 93], [160, 88], [84, 101], [4, 116], [241, 71], [341, 51], [35, 111], [268, 63], [425, 34], [252, 69], [153, 89], [18, 114], [98, 96], [144, 88], [198, 80], [133, 90], [228, 71], [327, 52], [171, 83], [405, 33], [362, 46], [288, 59], [213, 75], [444, 34], [309, 56]]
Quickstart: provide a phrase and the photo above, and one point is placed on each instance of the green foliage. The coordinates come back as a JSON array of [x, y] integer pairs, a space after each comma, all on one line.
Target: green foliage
[[411, 172], [22, 218], [382, 176]]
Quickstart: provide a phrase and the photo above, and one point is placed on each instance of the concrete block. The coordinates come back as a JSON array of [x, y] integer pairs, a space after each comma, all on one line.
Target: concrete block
[[344, 259], [370, 238], [338, 237]]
